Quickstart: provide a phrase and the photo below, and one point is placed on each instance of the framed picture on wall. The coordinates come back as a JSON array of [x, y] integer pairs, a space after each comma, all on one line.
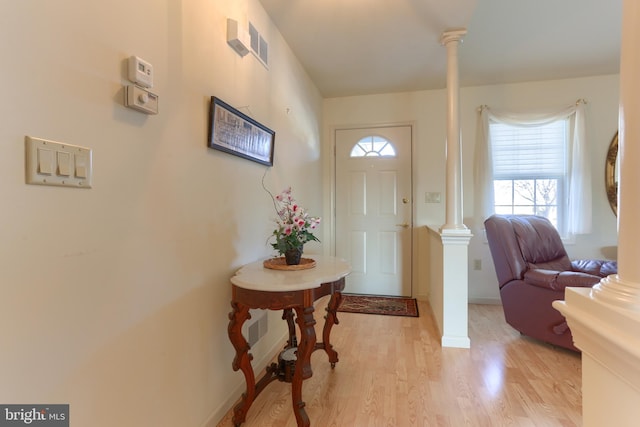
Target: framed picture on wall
[[236, 133]]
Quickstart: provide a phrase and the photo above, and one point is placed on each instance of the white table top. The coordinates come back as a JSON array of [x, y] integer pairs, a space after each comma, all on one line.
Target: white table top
[[257, 277]]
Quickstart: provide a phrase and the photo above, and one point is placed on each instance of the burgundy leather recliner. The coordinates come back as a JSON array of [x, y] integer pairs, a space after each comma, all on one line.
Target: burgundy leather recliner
[[533, 270]]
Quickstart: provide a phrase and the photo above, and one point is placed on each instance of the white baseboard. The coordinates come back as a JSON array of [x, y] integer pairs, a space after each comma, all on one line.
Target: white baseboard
[[488, 301]]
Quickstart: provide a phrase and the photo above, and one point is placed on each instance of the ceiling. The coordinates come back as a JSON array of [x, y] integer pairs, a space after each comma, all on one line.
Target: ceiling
[[358, 47]]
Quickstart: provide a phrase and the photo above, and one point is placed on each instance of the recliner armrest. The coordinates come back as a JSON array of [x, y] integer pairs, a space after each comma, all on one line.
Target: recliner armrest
[[559, 280], [596, 267]]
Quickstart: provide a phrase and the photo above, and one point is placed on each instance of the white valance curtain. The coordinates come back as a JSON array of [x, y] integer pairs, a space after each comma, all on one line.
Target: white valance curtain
[[579, 186]]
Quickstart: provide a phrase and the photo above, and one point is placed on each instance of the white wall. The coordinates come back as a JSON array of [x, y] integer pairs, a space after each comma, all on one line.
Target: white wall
[[427, 110], [116, 299]]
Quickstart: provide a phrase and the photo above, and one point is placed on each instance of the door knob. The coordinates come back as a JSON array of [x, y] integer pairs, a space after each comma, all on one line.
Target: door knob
[[404, 225], [405, 200]]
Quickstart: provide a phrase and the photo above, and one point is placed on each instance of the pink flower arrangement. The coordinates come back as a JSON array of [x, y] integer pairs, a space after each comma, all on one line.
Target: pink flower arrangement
[[294, 225]]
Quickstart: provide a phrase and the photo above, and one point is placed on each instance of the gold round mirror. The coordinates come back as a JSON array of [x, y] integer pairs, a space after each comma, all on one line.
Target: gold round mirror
[[611, 171]]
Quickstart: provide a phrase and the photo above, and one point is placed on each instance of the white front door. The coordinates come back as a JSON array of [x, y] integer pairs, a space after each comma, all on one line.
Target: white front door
[[374, 208]]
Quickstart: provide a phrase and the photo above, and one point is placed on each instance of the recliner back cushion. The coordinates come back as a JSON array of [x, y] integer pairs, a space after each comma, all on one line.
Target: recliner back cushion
[[505, 250], [540, 243]]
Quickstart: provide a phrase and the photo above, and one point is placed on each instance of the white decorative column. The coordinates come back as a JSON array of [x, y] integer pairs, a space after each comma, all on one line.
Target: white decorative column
[[454, 234], [451, 39], [623, 289], [605, 321]]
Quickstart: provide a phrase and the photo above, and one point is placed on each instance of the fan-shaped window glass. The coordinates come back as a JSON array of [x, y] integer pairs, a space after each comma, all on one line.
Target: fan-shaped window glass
[[373, 146]]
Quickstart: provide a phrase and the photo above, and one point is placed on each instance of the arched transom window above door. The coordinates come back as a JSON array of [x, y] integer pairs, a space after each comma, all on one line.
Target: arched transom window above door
[[373, 146]]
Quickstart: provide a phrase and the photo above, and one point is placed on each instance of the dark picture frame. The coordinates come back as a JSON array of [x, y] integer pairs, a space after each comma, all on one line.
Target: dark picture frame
[[236, 133]]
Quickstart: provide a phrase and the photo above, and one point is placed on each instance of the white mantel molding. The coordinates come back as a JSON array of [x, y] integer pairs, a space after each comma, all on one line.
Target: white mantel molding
[[606, 333]]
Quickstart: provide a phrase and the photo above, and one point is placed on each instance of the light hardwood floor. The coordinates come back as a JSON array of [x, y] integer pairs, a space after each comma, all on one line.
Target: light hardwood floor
[[393, 372]]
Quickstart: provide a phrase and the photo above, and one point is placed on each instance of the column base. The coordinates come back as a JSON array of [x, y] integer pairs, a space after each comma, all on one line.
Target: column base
[[620, 293], [455, 229], [455, 342], [454, 292]]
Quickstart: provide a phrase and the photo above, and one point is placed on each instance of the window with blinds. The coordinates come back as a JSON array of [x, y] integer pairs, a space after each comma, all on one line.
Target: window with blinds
[[530, 169]]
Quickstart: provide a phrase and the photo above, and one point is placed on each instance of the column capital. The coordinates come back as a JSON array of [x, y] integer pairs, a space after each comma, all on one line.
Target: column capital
[[452, 35]]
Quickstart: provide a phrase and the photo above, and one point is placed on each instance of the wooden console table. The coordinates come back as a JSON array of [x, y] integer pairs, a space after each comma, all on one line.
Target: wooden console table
[[255, 286]]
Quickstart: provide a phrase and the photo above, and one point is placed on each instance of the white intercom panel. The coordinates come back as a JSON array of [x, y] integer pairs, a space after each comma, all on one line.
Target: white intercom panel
[[140, 99], [140, 72]]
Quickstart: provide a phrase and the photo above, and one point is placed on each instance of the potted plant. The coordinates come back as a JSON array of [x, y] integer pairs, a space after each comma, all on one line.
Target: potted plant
[[294, 227]]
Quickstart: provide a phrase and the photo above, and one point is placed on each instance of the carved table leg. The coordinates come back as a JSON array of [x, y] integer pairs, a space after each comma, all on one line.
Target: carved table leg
[[242, 360], [330, 319], [303, 370], [288, 316]]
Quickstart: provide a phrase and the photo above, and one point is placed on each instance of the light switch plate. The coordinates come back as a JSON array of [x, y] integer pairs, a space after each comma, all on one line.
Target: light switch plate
[[55, 163]]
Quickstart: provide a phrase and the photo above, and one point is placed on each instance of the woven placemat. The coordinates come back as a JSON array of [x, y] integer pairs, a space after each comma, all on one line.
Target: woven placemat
[[281, 264]]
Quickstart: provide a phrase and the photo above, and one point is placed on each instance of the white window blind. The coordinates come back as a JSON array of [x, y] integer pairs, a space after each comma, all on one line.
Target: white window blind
[[521, 152], [565, 161]]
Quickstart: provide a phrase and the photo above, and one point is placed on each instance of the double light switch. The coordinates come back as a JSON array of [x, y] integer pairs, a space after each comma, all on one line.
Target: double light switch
[[55, 163]]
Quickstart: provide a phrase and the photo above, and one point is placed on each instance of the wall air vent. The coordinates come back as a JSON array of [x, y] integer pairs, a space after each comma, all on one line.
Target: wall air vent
[[259, 45], [257, 328], [237, 38]]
